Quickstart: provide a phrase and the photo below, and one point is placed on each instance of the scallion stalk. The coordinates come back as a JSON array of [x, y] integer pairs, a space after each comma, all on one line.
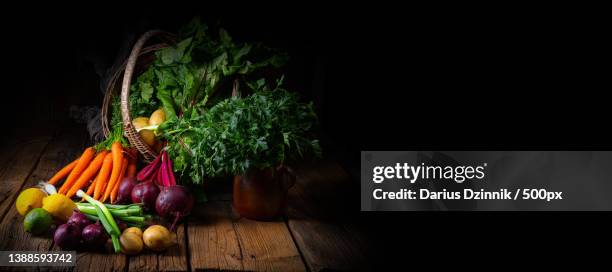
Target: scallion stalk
[[106, 218]]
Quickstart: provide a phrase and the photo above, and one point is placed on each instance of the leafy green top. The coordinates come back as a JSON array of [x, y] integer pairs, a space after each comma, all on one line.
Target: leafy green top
[[116, 127], [262, 130], [185, 76]]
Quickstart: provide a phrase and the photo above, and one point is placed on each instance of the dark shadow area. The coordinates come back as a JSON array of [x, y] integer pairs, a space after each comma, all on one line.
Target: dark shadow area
[[381, 78]]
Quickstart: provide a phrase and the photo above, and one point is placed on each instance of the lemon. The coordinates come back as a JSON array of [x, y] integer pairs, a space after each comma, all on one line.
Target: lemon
[[29, 199], [37, 221], [59, 206]]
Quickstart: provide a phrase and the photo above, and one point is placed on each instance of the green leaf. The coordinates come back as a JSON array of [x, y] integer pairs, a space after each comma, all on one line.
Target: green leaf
[[224, 37], [237, 56], [164, 95], [168, 55], [165, 77], [146, 91], [182, 51], [219, 62]]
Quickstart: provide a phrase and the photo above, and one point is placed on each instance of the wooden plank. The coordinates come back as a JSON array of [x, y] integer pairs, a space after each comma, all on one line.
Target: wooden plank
[[145, 261], [59, 152], [326, 246], [220, 240], [267, 246], [18, 169], [213, 243], [100, 261], [174, 259], [318, 222]]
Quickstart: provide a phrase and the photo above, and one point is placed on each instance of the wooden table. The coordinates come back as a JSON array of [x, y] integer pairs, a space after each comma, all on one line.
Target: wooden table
[[317, 233]]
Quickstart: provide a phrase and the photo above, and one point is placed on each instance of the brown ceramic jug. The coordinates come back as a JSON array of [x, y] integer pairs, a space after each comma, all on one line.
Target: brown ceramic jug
[[261, 194]]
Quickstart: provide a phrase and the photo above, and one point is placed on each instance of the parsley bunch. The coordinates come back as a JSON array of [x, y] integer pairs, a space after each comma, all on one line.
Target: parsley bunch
[[262, 130]]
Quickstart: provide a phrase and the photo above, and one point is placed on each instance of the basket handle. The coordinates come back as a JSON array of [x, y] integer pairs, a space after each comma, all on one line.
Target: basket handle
[[110, 86], [129, 129]]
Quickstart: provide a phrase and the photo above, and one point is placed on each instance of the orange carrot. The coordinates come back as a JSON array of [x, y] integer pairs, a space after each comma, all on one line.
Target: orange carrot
[[113, 196], [116, 150], [63, 173], [81, 165], [88, 174], [103, 176], [92, 186], [131, 170]]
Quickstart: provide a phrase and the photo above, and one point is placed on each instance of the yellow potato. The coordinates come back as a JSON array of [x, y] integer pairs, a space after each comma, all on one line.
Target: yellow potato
[[131, 243], [139, 122], [147, 136], [158, 238], [134, 230], [158, 117]]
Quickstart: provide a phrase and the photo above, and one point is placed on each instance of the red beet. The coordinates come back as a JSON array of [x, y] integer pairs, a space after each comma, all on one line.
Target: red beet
[[146, 193], [174, 202], [125, 190]]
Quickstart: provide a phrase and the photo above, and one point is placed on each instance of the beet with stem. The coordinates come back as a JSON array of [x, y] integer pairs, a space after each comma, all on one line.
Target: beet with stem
[[174, 202]]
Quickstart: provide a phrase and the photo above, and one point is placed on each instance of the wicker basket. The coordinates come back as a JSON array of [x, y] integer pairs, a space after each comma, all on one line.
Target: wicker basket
[[139, 59]]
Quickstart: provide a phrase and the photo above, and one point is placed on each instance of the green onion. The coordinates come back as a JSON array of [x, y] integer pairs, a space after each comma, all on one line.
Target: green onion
[[106, 218], [114, 206], [133, 219], [116, 213], [91, 217]]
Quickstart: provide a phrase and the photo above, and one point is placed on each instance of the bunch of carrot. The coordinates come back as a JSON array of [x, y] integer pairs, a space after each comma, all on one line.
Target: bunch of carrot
[[101, 173]]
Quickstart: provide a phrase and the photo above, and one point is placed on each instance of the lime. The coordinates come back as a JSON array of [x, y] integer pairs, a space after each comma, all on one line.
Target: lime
[[37, 221], [29, 199]]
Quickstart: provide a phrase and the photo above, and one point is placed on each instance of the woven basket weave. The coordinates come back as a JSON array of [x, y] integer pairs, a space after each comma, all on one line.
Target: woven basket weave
[[139, 59]]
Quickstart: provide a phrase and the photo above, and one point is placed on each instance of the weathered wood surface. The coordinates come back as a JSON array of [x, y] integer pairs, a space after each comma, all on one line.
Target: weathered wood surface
[[317, 219], [213, 243], [21, 159], [315, 235], [267, 246], [53, 153]]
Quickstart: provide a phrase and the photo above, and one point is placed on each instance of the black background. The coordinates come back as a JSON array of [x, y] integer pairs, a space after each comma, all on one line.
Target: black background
[[383, 78]]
